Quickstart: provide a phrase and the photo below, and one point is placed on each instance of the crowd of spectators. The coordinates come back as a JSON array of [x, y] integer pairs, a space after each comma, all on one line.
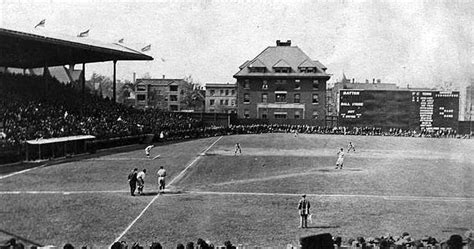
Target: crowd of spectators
[[387, 241], [33, 107]]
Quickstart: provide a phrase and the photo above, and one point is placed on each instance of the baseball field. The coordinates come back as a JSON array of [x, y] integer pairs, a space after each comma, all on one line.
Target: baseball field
[[422, 186]]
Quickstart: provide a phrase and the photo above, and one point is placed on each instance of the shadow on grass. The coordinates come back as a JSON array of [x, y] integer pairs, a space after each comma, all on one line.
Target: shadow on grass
[[19, 238], [322, 226], [166, 192]]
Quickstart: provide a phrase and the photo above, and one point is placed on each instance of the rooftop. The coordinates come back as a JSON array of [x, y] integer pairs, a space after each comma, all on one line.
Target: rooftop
[[283, 55]]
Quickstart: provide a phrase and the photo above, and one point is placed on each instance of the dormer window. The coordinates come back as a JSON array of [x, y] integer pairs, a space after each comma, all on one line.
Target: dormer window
[[308, 66], [282, 70], [308, 70], [257, 67], [282, 67]]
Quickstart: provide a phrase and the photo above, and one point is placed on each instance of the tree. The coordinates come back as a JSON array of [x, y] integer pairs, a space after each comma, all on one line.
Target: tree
[[100, 85], [193, 98]]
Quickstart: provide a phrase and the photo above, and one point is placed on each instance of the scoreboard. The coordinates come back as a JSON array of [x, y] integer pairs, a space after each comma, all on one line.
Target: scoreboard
[[405, 109]]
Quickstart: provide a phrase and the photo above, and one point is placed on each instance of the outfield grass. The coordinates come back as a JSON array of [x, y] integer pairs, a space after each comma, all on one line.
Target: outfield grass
[[391, 184]]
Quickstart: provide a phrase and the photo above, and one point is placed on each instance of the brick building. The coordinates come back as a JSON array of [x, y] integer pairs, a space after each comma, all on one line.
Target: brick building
[[164, 94], [221, 98], [282, 83]]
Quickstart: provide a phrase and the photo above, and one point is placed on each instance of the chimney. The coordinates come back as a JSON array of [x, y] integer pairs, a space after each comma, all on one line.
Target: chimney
[[373, 81], [163, 76], [134, 77], [353, 80], [379, 81], [366, 81], [283, 44]]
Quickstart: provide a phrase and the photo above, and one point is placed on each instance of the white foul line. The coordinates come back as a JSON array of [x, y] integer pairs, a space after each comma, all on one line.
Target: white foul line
[[20, 172], [61, 192], [386, 197], [156, 197]]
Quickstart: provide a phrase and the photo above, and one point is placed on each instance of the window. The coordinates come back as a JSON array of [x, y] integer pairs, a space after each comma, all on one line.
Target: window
[[246, 114], [297, 85], [211, 102], [173, 97], [315, 84], [226, 102], [222, 92], [233, 92], [141, 88], [297, 115], [308, 70], [226, 92], [315, 99], [222, 102], [232, 102], [257, 69], [280, 97], [265, 85], [173, 88], [297, 98], [264, 97], [246, 98], [141, 97], [212, 92], [264, 113], [315, 115], [173, 107], [181, 92], [280, 115], [282, 70], [280, 82], [247, 84]]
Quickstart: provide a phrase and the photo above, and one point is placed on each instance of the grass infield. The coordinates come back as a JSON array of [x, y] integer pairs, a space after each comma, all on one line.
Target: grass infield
[[390, 184]]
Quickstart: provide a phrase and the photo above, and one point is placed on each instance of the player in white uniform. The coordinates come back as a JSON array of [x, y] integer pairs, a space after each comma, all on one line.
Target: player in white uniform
[[351, 147], [161, 178], [340, 159], [148, 149], [141, 181]]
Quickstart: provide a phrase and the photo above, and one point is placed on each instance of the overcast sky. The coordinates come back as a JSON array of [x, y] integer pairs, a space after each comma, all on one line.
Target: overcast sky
[[420, 43]]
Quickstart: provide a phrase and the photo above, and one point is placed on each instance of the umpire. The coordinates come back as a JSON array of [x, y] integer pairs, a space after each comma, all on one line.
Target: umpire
[[132, 180], [303, 207]]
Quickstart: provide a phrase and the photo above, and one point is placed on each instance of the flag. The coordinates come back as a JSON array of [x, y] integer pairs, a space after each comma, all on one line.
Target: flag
[[83, 34], [146, 48], [120, 41], [41, 24]]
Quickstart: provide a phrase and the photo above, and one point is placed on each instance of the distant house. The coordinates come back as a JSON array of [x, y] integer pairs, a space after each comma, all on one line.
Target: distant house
[[282, 83], [221, 97], [164, 94]]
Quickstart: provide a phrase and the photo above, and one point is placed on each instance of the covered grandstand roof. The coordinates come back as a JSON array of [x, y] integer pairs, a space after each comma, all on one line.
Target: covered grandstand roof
[[29, 50]]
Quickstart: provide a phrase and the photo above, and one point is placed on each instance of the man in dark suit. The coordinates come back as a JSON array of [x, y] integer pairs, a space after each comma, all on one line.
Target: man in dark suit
[[132, 180], [303, 207]]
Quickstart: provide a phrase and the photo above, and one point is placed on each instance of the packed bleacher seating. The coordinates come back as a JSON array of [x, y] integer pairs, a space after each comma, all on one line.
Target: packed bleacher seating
[[33, 108], [386, 241]]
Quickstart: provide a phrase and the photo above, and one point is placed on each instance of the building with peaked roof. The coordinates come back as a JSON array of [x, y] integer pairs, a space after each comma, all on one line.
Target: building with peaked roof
[[221, 98], [282, 83], [164, 94]]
